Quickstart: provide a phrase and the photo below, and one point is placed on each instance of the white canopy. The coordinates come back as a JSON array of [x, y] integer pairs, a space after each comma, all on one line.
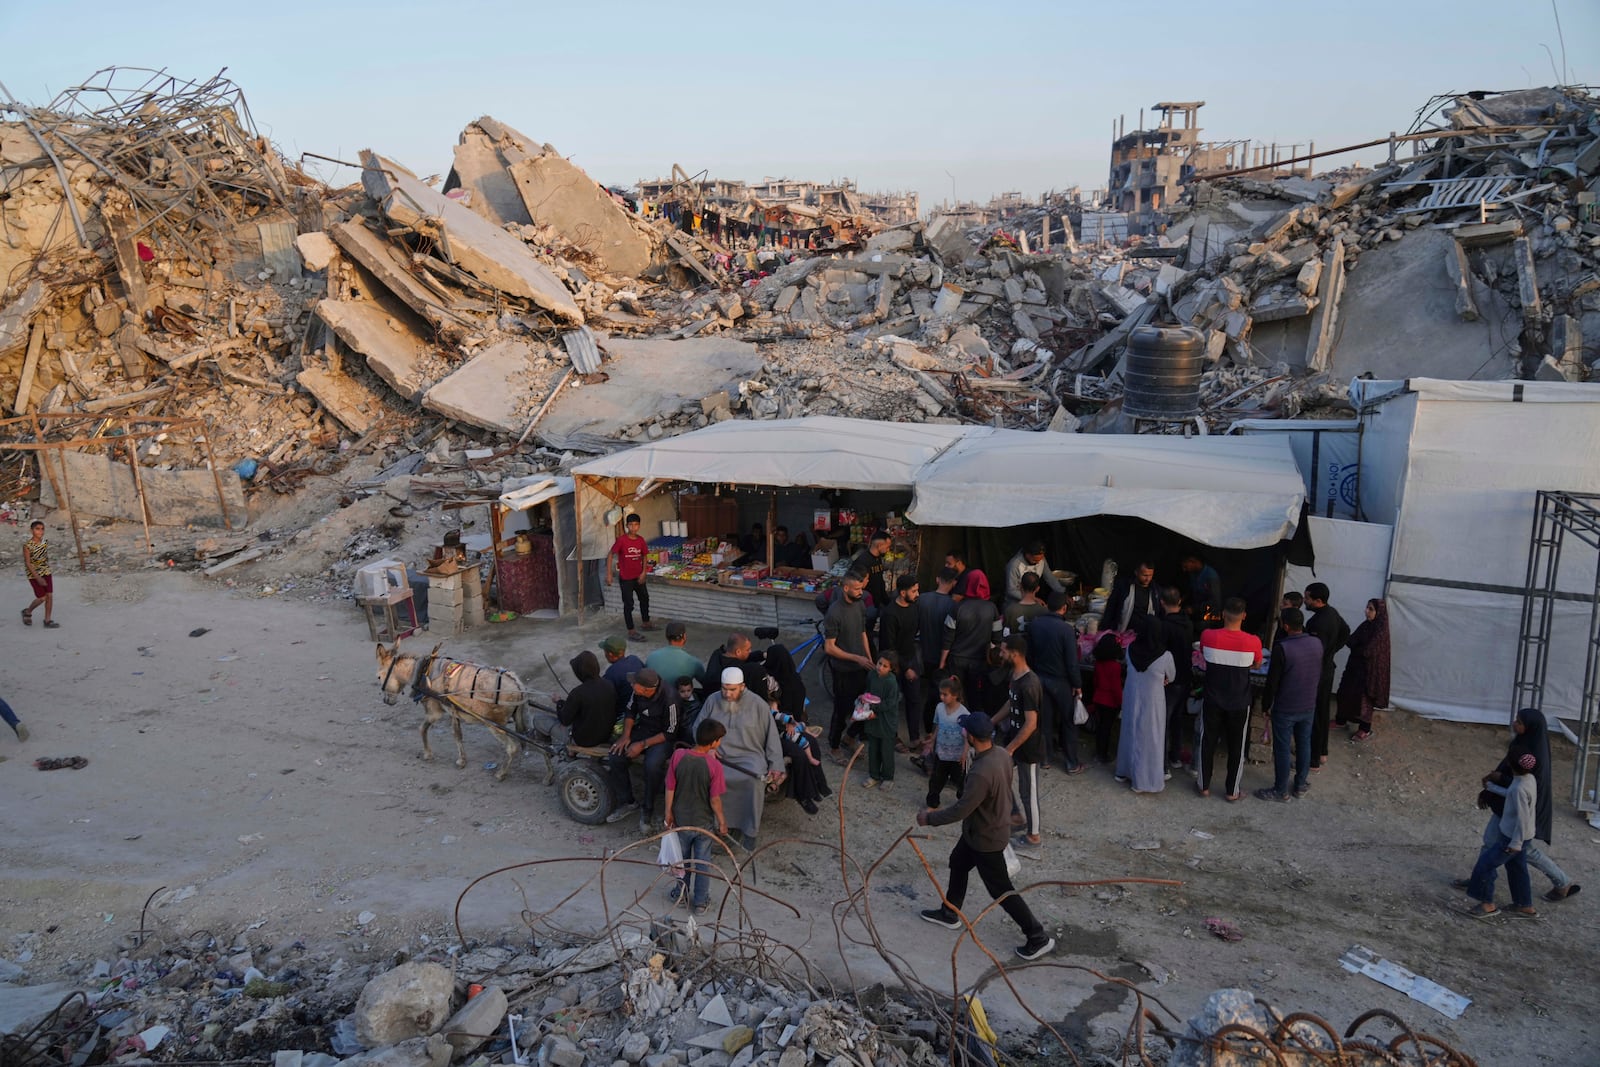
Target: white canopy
[[825, 451], [1228, 492]]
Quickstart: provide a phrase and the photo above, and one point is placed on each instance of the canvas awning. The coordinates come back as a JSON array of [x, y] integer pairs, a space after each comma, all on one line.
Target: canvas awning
[[825, 452], [1228, 492]]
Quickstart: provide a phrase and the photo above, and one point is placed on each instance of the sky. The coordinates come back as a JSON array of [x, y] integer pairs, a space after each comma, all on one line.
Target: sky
[[940, 98]]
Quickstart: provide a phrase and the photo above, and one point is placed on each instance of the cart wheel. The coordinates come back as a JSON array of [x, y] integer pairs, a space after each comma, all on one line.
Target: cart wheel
[[586, 794]]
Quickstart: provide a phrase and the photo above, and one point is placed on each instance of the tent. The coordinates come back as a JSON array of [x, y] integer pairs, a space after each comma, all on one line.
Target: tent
[[1227, 492], [1455, 467]]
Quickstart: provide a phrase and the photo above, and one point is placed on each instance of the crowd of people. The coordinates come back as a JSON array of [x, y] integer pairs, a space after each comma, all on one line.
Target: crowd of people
[[961, 678]]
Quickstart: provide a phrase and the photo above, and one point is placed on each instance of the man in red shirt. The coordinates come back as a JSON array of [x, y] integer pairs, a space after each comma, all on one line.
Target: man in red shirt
[[626, 560], [1230, 655]]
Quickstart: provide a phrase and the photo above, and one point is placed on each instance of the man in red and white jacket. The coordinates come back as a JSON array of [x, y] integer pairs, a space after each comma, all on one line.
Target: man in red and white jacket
[[1230, 655]]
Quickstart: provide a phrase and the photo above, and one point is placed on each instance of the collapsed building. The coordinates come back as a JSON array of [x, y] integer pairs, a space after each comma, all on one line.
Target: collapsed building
[[162, 260]]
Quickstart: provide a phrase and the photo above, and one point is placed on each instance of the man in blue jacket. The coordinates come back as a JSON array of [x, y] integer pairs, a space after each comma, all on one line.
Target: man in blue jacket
[[1291, 700]]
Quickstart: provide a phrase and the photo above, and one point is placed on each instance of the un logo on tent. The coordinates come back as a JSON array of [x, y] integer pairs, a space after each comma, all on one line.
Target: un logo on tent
[[1345, 484]]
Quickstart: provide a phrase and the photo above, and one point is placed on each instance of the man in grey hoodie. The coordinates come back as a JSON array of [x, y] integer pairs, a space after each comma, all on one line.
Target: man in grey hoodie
[[1517, 827]]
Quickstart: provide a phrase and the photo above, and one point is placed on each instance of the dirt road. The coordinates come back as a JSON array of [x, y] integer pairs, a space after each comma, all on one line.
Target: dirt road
[[255, 764]]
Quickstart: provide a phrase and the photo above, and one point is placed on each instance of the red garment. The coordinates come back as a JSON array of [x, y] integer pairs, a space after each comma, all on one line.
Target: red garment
[[630, 550], [1108, 683]]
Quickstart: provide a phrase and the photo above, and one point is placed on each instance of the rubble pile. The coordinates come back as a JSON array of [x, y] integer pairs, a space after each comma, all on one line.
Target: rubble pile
[[614, 999], [161, 259], [1495, 210]]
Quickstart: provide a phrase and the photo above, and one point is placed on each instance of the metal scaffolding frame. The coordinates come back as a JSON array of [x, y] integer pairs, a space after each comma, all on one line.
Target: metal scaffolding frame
[[1556, 516]]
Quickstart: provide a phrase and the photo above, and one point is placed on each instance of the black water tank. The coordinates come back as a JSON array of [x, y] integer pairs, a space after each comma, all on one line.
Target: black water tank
[[1163, 374]]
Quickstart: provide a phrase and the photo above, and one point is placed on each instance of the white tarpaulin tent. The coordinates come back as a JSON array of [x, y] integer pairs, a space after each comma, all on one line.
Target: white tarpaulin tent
[[824, 451], [1228, 492], [1455, 467]]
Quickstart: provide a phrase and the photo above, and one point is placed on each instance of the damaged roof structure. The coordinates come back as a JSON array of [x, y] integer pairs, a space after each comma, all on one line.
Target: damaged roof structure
[[163, 260]]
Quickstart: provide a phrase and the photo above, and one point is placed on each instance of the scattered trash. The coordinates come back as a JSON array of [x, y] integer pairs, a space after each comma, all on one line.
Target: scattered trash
[[1224, 929], [1201, 834], [365, 917], [200, 631], [61, 763], [1362, 960]]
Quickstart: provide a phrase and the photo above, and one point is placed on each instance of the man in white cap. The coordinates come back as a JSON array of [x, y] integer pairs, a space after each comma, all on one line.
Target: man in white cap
[[751, 751]]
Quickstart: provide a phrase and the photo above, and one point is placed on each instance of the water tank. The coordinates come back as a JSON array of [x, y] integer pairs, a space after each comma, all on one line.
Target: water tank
[[1163, 374]]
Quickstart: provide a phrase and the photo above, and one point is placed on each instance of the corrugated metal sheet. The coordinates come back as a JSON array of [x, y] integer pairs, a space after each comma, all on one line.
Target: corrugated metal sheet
[[278, 250], [1110, 227], [582, 350]]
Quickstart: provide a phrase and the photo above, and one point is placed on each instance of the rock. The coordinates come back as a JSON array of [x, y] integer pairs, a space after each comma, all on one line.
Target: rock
[[636, 1047], [409, 1001], [432, 1051], [737, 1038], [477, 1021], [716, 1012]]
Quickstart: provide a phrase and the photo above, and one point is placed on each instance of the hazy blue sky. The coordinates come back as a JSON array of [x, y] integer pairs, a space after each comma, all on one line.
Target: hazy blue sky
[[896, 95]]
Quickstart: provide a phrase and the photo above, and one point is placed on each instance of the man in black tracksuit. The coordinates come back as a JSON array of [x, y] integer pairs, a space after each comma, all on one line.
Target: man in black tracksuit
[[1329, 627]]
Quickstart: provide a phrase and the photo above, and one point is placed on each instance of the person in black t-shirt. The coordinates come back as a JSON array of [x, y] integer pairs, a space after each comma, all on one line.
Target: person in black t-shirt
[[899, 624], [1019, 722]]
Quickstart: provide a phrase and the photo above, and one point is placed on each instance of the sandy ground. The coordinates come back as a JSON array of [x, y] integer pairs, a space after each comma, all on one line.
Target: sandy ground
[[256, 764]]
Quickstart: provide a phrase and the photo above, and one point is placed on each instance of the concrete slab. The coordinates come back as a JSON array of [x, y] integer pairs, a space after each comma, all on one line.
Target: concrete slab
[[650, 375], [560, 195], [491, 391], [14, 318], [1398, 318], [317, 250], [391, 348], [383, 261], [345, 398], [21, 1007], [100, 486], [487, 148], [469, 241]]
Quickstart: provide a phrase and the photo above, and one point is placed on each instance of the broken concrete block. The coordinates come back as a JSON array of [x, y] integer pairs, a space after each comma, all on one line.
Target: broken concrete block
[[485, 151], [490, 390], [391, 347], [558, 194], [1277, 304], [343, 397], [1566, 344], [477, 1021], [1325, 319], [1024, 325], [409, 1001], [1549, 370], [899, 239], [1460, 272], [15, 317], [943, 235], [1310, 274], [1527, 278], [317, 250], [387, 265], [949, 299], [471, 242], [786, 299]]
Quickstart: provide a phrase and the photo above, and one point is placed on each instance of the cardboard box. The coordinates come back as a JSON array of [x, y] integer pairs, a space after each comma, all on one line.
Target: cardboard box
[[824, 554]]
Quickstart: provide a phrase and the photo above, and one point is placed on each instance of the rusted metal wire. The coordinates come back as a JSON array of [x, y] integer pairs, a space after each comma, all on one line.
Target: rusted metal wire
[[737, 945]]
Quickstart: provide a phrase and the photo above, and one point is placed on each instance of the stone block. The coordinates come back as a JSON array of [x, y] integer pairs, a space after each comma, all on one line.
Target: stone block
[[490, 391], [478, 1020], [1310, 274], [392, 347], [409, 1001], [317, 250]]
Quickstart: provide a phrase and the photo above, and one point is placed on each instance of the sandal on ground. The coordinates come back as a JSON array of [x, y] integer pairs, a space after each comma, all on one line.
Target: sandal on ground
[[1563, 892], [50, 624], [1522, 913], [27, 618], [1462, 884], [1483, 911]]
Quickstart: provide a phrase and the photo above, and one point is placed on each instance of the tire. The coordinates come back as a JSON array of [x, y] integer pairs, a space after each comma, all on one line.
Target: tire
[[586, 794]]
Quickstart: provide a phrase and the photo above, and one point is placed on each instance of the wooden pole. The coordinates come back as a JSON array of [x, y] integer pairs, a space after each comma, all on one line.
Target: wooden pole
[[577, 518], [59, 489], [772, 522], [132, 446], [216, 479], [496, 531]]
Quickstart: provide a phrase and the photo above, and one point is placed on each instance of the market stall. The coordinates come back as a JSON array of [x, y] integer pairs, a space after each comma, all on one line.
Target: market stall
[[700, 493]]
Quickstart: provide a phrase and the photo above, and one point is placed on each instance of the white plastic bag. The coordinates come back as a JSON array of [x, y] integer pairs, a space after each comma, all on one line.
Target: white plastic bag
[[1013, 864], [671, 854], [1080, 714]]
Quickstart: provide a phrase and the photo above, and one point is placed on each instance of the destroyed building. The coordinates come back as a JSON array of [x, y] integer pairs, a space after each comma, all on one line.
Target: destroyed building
[[163, 261]]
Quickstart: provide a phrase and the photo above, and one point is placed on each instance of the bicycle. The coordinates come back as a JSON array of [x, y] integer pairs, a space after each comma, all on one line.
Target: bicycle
[[804, 652]]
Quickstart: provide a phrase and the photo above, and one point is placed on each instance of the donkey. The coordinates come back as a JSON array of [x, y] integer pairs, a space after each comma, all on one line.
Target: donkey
[[492, 696]]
